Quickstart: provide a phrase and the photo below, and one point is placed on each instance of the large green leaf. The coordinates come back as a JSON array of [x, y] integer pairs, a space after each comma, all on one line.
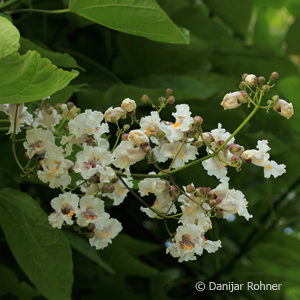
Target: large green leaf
[[143, 18], [235, 13], [292, 38], [9, 37], [30, 77], [42, 252], [64, 60], [81, 245], [11, 285]]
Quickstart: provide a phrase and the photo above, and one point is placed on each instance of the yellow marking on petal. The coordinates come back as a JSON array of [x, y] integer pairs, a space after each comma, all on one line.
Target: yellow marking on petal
[[53, 170], [187, 209], [121, 192], [269, 167], [70, 214], [180, 117], [107, 234], [186, 247], [154, 204], [181, 155], [176, 124], [235, 211]]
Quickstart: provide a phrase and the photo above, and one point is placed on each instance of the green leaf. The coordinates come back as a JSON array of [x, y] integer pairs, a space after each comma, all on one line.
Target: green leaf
[[9, 37], [42, 252], [292, 38], [66, 93], [86, 249], [64, 60], [235, 13], [183, 86], [143, 18], [30, 77], [121, 255], [11, 285]]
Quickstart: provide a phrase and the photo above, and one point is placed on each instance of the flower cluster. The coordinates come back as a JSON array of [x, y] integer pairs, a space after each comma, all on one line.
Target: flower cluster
[[72, 151]]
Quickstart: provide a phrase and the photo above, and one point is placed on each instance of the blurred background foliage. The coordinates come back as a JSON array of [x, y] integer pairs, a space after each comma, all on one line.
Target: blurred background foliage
[[228, 38]]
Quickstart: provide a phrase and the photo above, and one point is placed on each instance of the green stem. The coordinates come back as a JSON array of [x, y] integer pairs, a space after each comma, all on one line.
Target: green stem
[[4, 128], [4, 121], [43, 11], [13, 137], [196, 162], [7, 4]]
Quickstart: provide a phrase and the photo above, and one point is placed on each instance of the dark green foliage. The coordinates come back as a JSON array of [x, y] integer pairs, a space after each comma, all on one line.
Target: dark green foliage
[[127, 51]]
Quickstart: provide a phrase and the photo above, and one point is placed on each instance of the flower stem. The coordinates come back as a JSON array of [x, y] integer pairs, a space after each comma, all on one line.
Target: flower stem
[[13, 137]]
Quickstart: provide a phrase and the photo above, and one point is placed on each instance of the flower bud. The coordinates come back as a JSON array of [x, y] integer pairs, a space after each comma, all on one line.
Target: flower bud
[[236, 160], [244, 76], [198, 144], [114, 114], [125, 137], [128, 105], [261, 79], [198, 121], [284, 108], [107, 188], [95, 179], [126, 127], [190, 188], [242, 85], [208, 138], [233, 100], [251, 80], [145, 99], [236, 149], [200, 192], [169, 92], [161, 99], [171, 100], [138, 137], [265, 88], [274, 76], [174, 192]]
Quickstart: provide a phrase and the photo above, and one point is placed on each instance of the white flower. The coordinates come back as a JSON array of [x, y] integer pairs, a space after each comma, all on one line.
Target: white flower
[[150, 124], [65, 206], [284, 108], [274, 169], [189, 241], [152, 185], [183, 117], [90, 210], [120, 191], [163, 203], [232, 201], [175, 132], [105, 230], [261, 157], [47, 117], [94, 160], [194, 212], [220, 134], [88, 123], [171, 131], [23, 116], [165, 151], [55, 168], [138, 137], [37, 141], [232, 100], [114, 114], [215, 167], [128, 105], [126, 154]]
